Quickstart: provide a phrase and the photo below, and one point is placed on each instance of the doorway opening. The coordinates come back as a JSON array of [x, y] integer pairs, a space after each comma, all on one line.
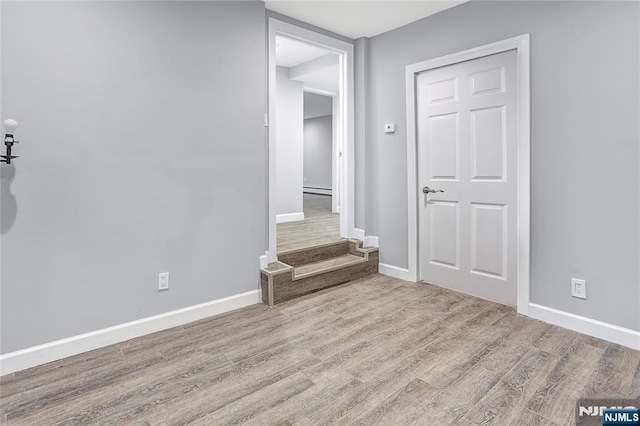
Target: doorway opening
[[310, 120]]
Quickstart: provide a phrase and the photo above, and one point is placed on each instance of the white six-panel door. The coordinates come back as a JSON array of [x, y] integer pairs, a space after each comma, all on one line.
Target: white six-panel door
[[466, 120]]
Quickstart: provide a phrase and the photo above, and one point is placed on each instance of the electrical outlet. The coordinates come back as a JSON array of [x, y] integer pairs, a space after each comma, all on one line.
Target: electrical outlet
[[578, 288], [163, 281]]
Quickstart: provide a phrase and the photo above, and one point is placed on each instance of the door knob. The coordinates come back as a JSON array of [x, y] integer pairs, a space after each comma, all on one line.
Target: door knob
[[427, 190]]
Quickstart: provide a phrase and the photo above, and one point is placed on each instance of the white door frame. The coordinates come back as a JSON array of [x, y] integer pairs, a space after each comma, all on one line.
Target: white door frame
[[521, 45], [345, 123]]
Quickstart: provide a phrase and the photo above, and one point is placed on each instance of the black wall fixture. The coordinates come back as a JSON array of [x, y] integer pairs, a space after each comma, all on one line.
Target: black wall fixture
[[10, 126]]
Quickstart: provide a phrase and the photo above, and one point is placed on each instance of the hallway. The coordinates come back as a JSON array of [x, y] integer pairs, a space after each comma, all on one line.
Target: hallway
[[319, 226]]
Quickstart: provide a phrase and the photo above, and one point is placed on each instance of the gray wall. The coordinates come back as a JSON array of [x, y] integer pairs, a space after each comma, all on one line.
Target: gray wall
[[317, 105], [142, 149], [584, 146], [361, 65], [289, 143], [318, 144]]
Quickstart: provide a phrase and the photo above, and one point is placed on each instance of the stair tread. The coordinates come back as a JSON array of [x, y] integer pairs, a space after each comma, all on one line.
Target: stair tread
[[277, 267], [325, 265], [313, 246]]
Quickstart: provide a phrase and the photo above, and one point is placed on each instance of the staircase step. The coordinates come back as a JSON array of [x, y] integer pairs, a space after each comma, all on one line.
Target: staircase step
[[306, 255], [326, 266], [315, 268]]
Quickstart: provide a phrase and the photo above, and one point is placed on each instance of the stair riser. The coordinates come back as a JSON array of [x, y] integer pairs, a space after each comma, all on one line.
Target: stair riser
[[315, 254], [282, 287], [267, 293]]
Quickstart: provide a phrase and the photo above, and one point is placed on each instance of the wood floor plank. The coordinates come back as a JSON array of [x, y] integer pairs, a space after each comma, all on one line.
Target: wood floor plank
[[380, 322], [555, 398], [378, 351], [289, 332], [83, 373], [401, 406], [614, 374], [468, 309], [244, 409], [238, 319], [634, 390], [450, 362], [505, 401], [398, 345], [47, 378], [319, 226], [283, 327], [29, 379], [452, 404], [529, 418], [556, 340], [507, 346], [122, 401], [390, 378], [206, 397], [81, 402], [321, 333], [330, 386], [443, 372], [500, 406], [335, 298]]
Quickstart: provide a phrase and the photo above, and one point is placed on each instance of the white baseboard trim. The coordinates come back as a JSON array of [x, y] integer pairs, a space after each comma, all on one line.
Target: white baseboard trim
[[358, 234], [317, 191], [394, 271], [602, 330], [41, 354], [289, 217], [370, 241]]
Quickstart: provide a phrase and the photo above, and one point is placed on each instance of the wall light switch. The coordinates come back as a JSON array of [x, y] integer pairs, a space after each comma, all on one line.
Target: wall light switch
[[390, 128]]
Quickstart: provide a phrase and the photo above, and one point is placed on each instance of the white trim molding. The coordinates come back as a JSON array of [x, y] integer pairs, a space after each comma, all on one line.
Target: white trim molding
[[602, 330], [358, 234], [289, 217], [344, 118], [370, 241], [317, 91], [521, 45], [316, 190], [53, 351], [394, 271]]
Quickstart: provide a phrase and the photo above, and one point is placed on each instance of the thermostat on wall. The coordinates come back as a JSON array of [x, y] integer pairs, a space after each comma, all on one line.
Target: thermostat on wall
[[390, 128]]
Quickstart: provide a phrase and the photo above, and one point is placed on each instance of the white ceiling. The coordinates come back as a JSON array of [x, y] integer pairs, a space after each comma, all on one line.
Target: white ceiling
[[355, 19], [325, 79], [290, 53]]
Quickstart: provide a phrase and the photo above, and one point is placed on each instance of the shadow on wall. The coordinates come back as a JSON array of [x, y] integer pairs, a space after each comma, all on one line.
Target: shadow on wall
[[9, 205]]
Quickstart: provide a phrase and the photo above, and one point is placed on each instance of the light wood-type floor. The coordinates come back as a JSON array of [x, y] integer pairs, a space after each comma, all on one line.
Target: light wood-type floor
[[319, 226], [376, 351]]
